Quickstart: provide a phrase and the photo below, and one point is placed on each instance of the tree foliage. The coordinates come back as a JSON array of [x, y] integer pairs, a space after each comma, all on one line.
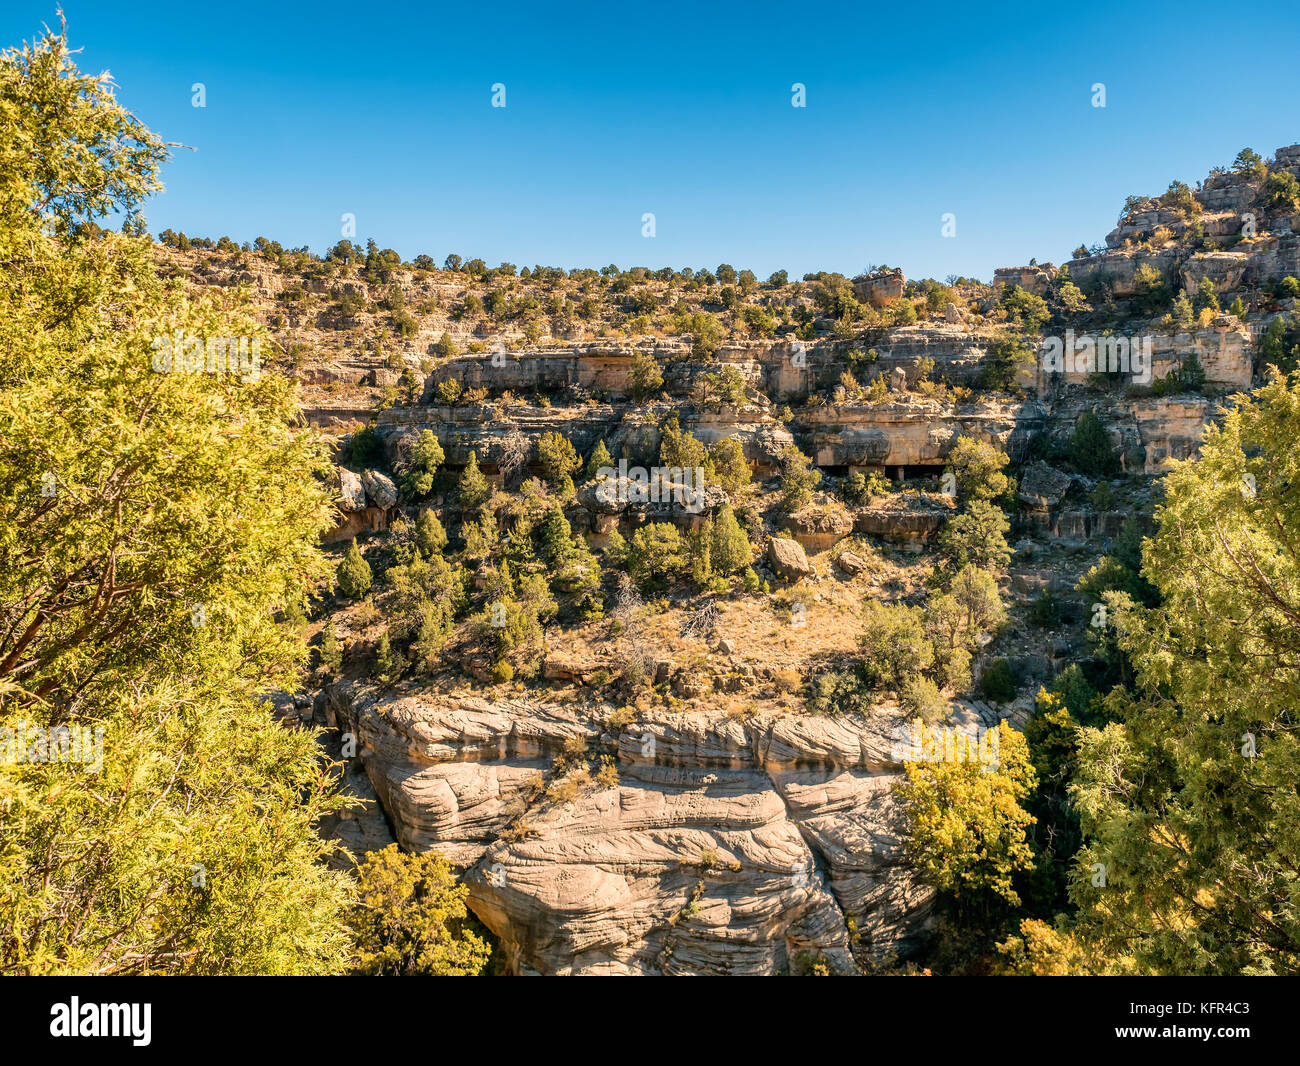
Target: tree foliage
[[1188, 801], [153, 525], [410, 919]]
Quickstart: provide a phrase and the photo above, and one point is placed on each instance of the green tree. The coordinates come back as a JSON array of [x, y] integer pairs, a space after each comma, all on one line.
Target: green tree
[[387, 666], [1090, 449], [473, 490], [798, 478], [1188, 800], [725, 388], [430, 537], [1009, 358], [421, 466], [977, 467], [644, 374], [557, 458], [998, 682], [976, 537], [600, 459], [153, 527], [1250, 163], [656, 554], [726, 464], [730, 547], [354, 576], [331, 651], [894, 645], [1282, 191], [557, 538], [679, 447], [410, 918]]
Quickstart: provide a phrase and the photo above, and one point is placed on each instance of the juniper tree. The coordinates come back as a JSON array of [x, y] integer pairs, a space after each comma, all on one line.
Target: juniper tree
[[153, 527], [354, 576], [1188, 800]]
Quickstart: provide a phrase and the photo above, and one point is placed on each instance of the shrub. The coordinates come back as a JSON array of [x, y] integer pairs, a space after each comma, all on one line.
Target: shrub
[[1045, 611], [920, 697], [644, 376], [998, 682], [657, 553], [410, 918], [894, 645], [1090, 450], [421, 466], [798, 478], [836, 693], [430, 537], [331, 651], [354, 576]]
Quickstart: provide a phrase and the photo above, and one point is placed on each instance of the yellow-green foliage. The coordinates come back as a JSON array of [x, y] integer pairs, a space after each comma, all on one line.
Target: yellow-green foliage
[[967, 832], [410, 918], [152, 525]]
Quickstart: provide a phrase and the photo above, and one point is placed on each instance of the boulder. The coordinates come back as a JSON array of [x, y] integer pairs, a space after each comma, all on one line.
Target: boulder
[[818, 528], [352, 494], [1043, 487], [787, 558], [851, 563], [380, 488]]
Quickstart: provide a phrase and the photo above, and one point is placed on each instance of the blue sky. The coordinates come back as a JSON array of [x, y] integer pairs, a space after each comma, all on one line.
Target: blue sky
[[684, 110]]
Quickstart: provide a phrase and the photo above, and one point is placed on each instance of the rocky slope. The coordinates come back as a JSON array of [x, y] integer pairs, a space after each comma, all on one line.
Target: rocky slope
[[723, 845], [710, 824]]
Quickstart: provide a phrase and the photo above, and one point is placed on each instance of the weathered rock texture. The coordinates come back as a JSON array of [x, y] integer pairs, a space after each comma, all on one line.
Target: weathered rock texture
[[726, 846]]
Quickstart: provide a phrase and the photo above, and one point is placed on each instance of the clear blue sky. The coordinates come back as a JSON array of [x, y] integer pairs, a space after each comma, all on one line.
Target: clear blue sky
[[683, 110]]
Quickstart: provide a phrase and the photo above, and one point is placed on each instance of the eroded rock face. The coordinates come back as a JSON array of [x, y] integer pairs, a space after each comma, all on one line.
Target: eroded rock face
[[724, 847], [916, 433], [905, 518], [818, 528], [1043, 487]]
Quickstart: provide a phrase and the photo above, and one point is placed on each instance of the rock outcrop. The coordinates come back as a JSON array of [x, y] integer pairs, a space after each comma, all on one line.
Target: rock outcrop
[[725, 846]]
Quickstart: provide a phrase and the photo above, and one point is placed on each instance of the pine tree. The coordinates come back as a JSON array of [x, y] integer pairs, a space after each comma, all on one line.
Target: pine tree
[[473, 489], [387, 667], [354, 576], [331, 651], [731, 547], [600, 458], [1090, 449], [557, 538], [430, 537]]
